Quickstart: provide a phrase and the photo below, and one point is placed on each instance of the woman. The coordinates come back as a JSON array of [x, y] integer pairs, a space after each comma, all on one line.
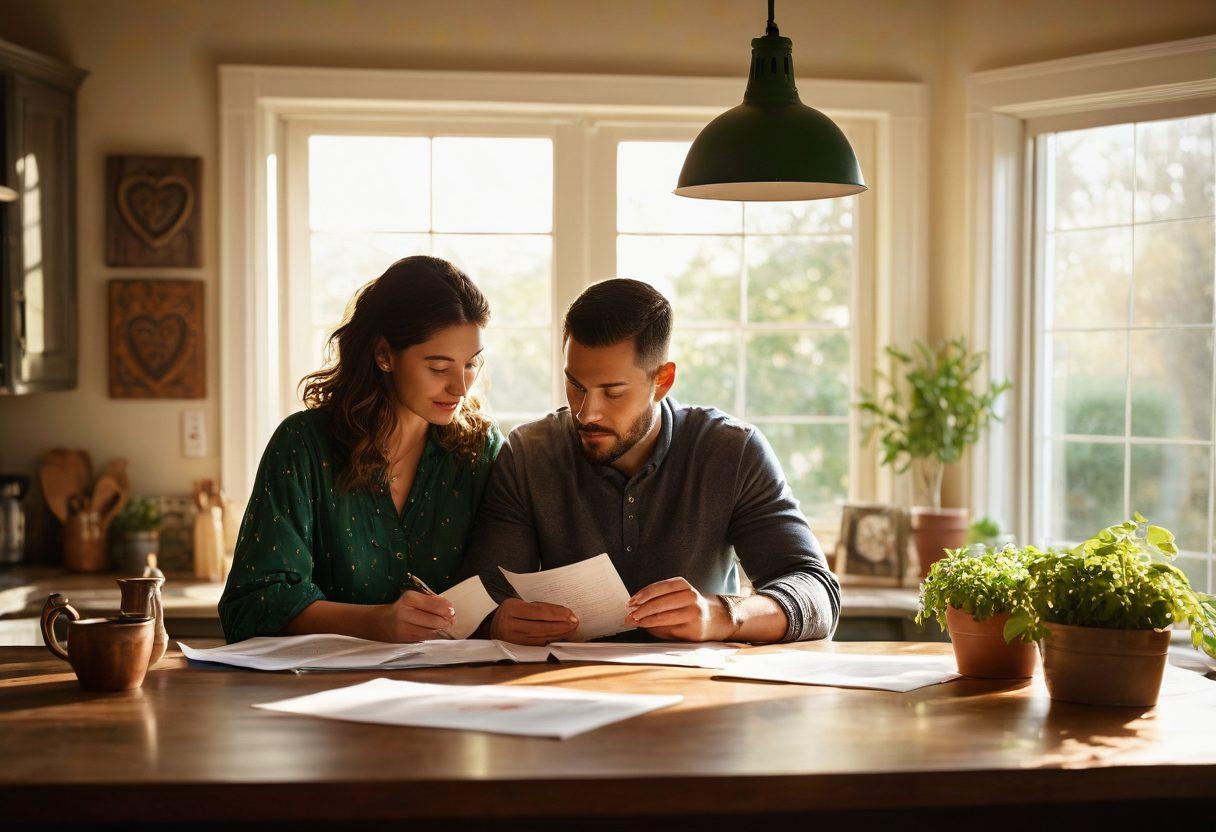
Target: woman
[[379, 478]]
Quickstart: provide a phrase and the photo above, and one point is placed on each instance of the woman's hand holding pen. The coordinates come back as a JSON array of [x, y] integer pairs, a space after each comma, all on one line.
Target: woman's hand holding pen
[[416, 616]]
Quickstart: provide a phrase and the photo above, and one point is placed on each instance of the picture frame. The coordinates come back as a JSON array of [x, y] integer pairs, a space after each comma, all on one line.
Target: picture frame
[[157, 342], [873, 545], [153, 206]]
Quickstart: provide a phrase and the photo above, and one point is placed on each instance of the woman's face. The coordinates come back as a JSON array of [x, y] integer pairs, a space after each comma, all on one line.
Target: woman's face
[[432, 378]]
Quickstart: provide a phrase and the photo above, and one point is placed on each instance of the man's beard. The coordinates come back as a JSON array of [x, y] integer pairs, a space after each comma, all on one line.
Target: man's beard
[[623, 444]]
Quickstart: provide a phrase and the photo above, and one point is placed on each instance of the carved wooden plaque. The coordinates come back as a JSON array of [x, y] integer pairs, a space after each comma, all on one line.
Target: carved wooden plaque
[[156, 339], [152, 211]]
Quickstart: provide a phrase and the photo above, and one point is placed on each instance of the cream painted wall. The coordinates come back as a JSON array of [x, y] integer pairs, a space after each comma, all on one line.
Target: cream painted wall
[[153, 90]]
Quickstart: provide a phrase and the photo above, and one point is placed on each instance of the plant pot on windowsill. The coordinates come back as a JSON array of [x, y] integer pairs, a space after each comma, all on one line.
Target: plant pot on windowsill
[[935, 531]]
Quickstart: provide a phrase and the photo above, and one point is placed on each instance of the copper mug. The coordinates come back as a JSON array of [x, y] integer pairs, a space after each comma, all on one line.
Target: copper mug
[[107, 653]]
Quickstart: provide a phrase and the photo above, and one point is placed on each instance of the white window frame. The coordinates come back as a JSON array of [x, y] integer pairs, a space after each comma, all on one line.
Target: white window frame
[[259, 104], [1006, 109]]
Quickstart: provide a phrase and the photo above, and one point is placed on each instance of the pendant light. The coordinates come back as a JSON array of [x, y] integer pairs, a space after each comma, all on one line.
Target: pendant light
[[772, 147]]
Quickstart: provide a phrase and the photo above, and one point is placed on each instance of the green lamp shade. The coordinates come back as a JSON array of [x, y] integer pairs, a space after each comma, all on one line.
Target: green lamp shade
[[772, 147]]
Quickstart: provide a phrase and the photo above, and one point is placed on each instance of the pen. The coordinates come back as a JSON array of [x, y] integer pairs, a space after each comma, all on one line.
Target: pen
[[421, 584], [418, 582]]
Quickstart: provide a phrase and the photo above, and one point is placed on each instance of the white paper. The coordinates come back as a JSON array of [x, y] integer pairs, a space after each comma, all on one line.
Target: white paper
[[472, 604], [1179, 681], [500, 709], [713, 654], [591, 589], [900, 673], [332, 652]]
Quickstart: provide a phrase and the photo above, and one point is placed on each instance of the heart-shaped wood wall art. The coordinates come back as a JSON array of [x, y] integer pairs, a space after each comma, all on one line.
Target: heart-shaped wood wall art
[[153, 205], [155, 208], [156, 339]]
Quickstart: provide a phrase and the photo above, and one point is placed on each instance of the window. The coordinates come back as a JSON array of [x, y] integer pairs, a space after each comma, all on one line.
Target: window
[[764, 293], [1124, 242], [483, 202], [327, 175]]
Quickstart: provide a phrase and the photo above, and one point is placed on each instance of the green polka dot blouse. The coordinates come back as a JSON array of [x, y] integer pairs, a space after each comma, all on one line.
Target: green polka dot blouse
[[304, 539]]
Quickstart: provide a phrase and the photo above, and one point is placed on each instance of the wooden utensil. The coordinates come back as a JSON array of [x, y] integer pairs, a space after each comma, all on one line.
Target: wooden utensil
[[81, 466], [109, 496], [58, 485]]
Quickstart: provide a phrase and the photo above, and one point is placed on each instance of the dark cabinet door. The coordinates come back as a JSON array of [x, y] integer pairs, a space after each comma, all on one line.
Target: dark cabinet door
[[40, 267]]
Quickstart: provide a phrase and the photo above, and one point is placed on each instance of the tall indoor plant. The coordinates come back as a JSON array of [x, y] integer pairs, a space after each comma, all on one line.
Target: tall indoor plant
[[1103, 614], [931, 411]]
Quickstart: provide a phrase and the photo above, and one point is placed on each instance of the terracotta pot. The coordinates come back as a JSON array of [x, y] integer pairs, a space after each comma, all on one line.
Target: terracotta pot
[[981, 651], [1098, 666], [935, 530]]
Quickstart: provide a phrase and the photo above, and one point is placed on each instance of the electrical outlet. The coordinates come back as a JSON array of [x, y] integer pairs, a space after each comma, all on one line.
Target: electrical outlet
[[194, 433]]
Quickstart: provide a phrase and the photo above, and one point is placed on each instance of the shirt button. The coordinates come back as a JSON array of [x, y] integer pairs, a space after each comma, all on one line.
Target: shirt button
[[631, 499], [628, 548], [631, 517]]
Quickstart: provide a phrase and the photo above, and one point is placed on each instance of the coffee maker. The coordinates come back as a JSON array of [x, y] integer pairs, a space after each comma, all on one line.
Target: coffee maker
[[12, 517]]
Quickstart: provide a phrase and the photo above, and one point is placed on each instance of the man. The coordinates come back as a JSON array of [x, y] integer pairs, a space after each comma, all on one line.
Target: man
[[665, 490]]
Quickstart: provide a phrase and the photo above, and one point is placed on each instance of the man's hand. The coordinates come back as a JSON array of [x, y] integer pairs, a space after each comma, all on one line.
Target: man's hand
[[416, 616], [673, 609], [531, 622]]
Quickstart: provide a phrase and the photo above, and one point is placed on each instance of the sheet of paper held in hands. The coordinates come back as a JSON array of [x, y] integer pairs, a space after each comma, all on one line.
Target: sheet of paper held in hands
[[472, 604], [899, 673], [591, 588], [500, 709]]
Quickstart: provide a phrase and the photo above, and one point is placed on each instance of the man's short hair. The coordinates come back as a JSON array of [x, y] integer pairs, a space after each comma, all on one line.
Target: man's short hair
[[609, 312]]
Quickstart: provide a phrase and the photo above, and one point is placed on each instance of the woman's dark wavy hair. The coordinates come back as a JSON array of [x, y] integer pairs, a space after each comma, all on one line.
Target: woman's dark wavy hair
[[414, 298]]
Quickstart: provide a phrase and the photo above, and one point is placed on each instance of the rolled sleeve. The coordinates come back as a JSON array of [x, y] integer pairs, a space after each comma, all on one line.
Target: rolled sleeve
[[777, 548]]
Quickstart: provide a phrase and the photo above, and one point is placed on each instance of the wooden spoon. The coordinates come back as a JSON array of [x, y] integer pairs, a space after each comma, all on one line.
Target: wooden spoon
[[58, 485], [109, 496]]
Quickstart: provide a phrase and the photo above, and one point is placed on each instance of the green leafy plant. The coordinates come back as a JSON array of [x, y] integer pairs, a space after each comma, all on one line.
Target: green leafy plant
[[931, 411], [138, 515], [983, 530], [982, 583], [1122, 579]]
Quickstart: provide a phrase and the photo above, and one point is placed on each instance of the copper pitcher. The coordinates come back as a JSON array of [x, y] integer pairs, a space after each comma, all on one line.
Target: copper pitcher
[[141, 599], [108, 654]]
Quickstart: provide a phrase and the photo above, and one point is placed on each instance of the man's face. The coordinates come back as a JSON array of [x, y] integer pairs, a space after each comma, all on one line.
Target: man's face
[[612, 400]]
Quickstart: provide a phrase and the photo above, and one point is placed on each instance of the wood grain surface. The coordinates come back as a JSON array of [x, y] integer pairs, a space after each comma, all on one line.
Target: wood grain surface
[[189, 742]]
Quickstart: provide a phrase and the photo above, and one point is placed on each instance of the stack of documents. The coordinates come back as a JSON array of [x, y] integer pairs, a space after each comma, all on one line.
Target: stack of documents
[[330, 652], [501, 709], [845, 670]]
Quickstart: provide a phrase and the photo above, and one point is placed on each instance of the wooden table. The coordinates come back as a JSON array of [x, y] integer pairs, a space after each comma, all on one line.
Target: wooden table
[[188, 745]]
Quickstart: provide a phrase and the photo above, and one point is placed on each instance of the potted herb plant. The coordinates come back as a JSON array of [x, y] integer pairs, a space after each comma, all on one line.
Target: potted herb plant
[[136, 535], [1103, 612], [929, 414], [972, 593]]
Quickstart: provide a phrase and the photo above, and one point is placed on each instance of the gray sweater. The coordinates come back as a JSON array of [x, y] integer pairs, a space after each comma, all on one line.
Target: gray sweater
[[713, 488]]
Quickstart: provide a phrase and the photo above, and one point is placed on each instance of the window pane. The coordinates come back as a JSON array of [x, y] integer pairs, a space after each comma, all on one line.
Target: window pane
[[1086, 488], [1093, 177], [799, 279], [513, 271], [706, 370], [369, 183], [1088, 277], [1197, 572], [1089, 382], [1174, 173], [798, 374], [647, 173], [341, 263], [493, 184], [815, 459], [700, 275], [1174, 272], [1172, 383], [518, 370], [818, 216], [1169, 486]]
